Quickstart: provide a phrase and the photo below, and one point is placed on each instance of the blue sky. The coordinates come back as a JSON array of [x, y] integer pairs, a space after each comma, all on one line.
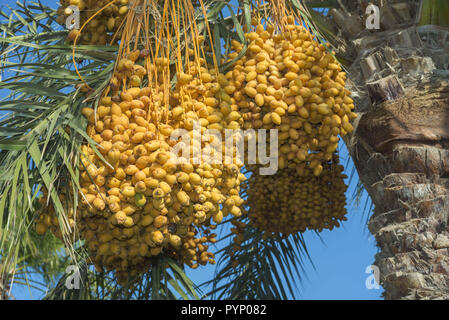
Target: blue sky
[[340, 257]]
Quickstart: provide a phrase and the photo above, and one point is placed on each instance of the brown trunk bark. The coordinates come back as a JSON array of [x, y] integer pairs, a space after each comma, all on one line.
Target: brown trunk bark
[[400, 146], [401, 151]]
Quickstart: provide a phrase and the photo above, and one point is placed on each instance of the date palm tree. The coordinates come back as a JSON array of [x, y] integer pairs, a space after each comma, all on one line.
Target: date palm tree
[[41, 131], [399, 77]]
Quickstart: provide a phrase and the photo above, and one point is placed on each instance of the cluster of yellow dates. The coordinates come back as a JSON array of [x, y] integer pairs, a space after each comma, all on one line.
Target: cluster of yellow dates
[[48, 219], [138, 197], [287, 81], [100, 29], [291, 202]]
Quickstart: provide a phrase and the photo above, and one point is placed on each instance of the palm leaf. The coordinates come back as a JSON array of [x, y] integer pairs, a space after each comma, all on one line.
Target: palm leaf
[[165, 279], [268, 268], [39, 104]]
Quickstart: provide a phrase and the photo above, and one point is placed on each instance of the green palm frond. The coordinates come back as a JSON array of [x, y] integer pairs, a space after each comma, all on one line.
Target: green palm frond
[[164, 280], [267, 268], [41, 127]]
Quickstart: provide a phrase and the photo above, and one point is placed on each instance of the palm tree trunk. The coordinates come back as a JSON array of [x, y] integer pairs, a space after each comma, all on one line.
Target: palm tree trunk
[[401, 151], [400, 145]]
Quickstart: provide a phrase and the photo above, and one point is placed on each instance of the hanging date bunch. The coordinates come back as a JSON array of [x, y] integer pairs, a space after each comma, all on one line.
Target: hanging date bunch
[[101, 19], [286, 80], [140, 198], [291, 202]]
